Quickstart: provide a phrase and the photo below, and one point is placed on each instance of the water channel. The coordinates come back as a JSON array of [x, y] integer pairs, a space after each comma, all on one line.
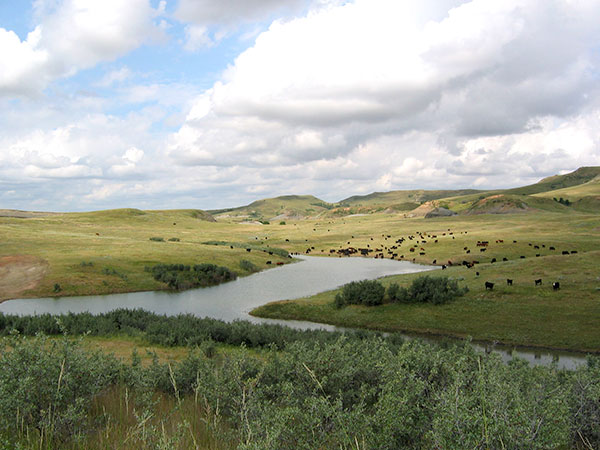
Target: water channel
[[234, 300]]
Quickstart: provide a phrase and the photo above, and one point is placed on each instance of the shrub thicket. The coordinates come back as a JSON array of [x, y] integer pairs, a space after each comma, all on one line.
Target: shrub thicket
[[248, 266], [365, 292], [426, 289], [352, 391], [182, 276]]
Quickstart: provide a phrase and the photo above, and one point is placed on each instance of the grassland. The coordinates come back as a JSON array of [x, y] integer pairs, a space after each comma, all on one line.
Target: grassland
[[107, 252], [518, 314]]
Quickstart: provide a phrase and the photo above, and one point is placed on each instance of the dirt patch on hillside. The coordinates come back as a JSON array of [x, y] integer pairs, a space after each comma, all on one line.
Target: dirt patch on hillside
[[19, 273]]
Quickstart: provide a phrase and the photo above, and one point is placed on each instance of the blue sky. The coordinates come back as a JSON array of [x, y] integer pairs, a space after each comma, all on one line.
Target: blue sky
[[203, 104]]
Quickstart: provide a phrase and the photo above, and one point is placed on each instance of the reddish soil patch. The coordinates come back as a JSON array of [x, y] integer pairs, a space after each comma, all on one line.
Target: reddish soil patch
[[19, 273]]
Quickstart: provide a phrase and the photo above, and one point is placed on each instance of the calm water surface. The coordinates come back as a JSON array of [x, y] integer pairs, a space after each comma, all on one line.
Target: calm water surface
[[234, 300]]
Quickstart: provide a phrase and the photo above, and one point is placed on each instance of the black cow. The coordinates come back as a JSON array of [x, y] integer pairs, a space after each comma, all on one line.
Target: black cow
[[493, 260], [489, 285], [505, 259], [538, 282], [268, 262], [552, 248], [565, 252], [476, 274], [509, 282], [444, 266], [556, 285]]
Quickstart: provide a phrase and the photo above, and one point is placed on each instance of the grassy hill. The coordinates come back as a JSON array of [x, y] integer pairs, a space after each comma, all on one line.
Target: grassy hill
[[573, 193], [576, 178], [577, 185], [279, 208]]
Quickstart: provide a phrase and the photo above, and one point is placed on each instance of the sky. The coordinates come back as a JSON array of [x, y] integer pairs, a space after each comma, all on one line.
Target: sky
[[164, 104]]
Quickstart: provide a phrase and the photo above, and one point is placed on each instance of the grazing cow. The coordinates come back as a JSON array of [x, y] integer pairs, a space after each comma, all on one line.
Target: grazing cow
[[538, 282], [556, 285], [514, 242], [280, 263], [434, 261], [421, 253], [469, 251], [565, 252], [489, 285], [248, 250], [482, 249], [444, 266], [552, 248], [536, 246], [97, 234], [573, 252], [476, 274], [505, 259], [509, 282], [268, 262], [522, 257], [174, 223], [231, 246]]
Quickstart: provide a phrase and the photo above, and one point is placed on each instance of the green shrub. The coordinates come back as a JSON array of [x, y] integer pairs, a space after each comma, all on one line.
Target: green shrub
[[49, 385], [426, 289], [282, 222], [365, 292], [174, 239], [182, 276], [157, 239], [248, 266]]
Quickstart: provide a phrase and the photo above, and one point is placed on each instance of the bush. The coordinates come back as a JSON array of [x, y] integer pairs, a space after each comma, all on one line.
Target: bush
[[248, 266], [157, 239], [426, 289], [49, 385], [365, 292], [174, 239], [181, 276]]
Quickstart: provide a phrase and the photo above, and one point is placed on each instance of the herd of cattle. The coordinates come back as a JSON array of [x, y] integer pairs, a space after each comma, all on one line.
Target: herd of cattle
[[417, 243]]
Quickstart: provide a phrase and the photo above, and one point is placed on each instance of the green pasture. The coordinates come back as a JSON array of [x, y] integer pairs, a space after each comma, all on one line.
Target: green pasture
[[522, 313], [118, 246]]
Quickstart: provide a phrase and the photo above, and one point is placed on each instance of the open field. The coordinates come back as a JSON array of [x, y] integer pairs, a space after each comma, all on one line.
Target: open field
[[522, 313], [107, 252]]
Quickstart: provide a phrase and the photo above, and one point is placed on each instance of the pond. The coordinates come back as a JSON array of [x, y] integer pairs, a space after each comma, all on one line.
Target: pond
[[235, 299]]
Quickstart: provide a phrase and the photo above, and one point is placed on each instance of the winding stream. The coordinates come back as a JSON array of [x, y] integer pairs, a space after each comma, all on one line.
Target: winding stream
[[234, 300]]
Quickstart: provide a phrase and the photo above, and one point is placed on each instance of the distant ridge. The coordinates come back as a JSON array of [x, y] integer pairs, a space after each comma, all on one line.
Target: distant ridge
[[583, 182]]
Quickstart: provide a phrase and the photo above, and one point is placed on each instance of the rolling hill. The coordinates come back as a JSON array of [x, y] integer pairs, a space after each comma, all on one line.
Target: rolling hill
[[581, 187], [281, 208]]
